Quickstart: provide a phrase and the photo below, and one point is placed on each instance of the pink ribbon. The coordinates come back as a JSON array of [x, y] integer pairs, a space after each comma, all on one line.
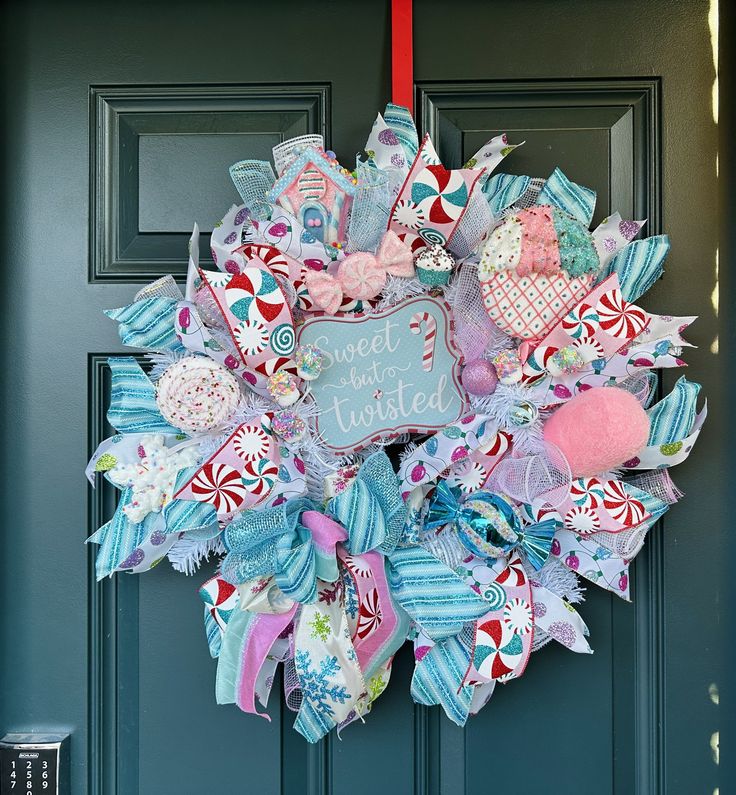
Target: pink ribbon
[[263, 634]]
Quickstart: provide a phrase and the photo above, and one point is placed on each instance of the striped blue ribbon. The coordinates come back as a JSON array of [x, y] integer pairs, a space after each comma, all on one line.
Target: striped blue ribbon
[[438, 679], [432, 593], [372, 510], [503, 190], [576, 200], [274, 542], [133, 406], [149, 323], [638, 265], [119, 537], [400, 121], [672, 418]]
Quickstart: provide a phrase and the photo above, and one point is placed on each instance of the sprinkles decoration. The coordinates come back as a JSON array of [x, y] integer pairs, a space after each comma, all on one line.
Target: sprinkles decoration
[[470, 319]]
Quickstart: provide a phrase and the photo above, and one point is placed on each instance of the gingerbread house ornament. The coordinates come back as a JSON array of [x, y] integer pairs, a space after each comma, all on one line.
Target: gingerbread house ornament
[[319, 192]]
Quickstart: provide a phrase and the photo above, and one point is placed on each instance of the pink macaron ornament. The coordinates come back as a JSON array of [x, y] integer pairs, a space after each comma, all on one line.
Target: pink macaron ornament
[[599, 429]]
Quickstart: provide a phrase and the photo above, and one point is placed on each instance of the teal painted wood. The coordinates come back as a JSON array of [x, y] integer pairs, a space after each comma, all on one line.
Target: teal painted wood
[[602, 89]]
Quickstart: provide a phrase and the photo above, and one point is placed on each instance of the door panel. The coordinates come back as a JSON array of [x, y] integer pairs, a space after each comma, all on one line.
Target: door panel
[[122, 119]]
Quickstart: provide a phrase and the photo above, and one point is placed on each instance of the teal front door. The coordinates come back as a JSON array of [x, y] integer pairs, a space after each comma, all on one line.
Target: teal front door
[[121, 120]]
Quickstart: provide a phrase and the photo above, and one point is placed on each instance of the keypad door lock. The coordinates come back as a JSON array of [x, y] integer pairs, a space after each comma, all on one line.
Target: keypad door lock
[[34, 764]]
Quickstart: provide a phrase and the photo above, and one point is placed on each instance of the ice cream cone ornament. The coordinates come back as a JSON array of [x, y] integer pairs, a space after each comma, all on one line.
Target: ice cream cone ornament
[[539, 262]]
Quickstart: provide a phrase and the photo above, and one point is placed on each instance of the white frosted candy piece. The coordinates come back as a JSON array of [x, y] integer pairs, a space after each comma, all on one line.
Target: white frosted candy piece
[[152, 477]]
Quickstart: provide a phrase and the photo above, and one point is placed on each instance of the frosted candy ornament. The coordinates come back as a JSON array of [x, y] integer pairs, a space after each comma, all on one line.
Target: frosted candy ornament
[[197, 394]]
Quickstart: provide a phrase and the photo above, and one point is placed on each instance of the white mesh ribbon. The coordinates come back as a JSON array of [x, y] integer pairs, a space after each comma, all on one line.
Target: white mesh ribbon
[[474, 330], [473, 227], [544, 475], [285, 152], [370, 209], [253, 179]]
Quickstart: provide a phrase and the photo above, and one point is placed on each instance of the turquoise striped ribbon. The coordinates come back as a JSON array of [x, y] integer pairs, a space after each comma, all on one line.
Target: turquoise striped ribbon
[[503, 190], [120, 537], [133, 406], [672, 418], [576, 200], [213, 633], [638, 265], [357, 509], [275, 542], [433, 595], [197, 519], [652, 504], [400, 121], [371, 510], [311, 723], [438, 679], [149, 323]]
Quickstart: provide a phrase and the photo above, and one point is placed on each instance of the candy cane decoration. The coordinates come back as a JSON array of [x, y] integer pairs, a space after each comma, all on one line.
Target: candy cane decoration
[[430, 336]]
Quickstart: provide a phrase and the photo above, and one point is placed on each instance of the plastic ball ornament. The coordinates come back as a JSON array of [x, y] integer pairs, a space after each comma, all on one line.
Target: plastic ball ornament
[[523, 414], [479, 377]]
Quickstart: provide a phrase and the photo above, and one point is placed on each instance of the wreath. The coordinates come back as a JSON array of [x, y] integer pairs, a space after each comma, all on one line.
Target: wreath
[[410, 403]]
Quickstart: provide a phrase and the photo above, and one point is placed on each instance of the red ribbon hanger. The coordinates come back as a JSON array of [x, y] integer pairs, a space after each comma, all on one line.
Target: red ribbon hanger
[[402, 63]]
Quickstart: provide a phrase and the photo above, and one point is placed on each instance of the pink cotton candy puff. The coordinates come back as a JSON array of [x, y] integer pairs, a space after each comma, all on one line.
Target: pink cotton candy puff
[[361, 275], [598, 430]]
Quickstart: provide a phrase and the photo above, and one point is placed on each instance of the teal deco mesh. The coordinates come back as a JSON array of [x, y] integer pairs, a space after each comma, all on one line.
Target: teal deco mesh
[[371, 206], [253, 179]]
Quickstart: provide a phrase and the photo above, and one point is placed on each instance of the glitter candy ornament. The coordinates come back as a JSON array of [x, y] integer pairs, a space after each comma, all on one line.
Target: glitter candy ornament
[[566, 361], [288, 426], [309, 359], [508, 367], [197, 394], [282, 388]]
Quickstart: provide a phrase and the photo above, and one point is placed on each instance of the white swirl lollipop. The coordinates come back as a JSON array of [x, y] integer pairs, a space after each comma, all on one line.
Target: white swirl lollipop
[[197, 394]]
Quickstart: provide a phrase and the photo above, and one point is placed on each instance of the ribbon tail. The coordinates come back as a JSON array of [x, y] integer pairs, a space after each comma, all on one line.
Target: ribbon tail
[[263, 633], [560, 620], [326, 663], [438, 679]]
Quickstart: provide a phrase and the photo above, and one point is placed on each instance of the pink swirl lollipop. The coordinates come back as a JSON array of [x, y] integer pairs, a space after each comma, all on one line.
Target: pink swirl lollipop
[[361, 275]]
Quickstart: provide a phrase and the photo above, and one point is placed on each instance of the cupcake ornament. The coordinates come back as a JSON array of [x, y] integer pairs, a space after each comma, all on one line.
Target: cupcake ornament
[[434, 265]]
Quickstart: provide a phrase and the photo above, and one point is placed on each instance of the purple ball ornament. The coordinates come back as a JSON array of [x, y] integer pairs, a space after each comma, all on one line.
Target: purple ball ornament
[[479, 377]]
